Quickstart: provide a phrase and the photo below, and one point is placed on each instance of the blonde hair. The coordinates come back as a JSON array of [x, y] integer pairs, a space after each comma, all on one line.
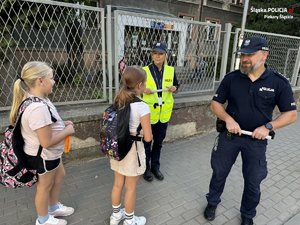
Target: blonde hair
[[31, 71], [131, 77]]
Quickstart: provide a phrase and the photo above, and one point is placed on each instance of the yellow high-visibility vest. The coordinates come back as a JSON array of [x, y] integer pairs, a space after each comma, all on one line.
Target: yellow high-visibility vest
[[160, 113]]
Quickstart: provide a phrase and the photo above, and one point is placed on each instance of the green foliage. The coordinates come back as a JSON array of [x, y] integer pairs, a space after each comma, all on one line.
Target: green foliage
[[97, 94], [77, 79], [256, 21]]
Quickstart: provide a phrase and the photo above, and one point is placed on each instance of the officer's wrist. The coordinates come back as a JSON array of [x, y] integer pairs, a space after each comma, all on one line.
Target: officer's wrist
[[269, 126]]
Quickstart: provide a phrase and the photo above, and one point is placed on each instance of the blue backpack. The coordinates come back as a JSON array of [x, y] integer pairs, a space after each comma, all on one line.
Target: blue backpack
[[115, 138], [15, 170]]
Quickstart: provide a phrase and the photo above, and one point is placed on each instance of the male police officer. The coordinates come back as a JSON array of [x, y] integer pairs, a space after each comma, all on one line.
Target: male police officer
[[251, 93], [159, 77]]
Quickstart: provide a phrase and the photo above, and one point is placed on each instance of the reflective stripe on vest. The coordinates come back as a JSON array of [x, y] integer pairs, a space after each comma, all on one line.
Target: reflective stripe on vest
[[160, 113]]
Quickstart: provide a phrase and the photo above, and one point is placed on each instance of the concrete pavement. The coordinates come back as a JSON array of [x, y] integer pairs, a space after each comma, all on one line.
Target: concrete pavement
[[180, 198]]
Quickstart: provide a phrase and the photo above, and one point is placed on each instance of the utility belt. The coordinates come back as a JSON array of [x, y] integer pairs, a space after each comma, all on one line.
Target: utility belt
[[221, 127]]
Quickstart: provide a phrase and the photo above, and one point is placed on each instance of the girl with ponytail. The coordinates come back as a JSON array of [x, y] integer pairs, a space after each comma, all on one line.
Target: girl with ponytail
[[127, 171], [38, 129]]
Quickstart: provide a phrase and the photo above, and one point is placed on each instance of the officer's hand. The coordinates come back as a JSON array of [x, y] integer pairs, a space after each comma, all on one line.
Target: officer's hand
[[260, 133], [172, 88], [148, 91], [233, 127]]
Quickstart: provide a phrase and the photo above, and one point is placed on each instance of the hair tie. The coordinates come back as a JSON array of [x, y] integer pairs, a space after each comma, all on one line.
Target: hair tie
[[19, 77]]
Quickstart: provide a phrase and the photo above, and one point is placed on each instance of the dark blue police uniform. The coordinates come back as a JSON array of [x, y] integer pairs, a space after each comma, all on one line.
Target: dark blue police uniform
[[250, 104]]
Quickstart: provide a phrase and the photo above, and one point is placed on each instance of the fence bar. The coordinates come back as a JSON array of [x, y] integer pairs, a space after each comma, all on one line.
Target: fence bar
[[216, 60], [64, 4], [109, 53], [272, 34], [116, 49], [234, 49], [103, 56], [296, 70], [226, 43]]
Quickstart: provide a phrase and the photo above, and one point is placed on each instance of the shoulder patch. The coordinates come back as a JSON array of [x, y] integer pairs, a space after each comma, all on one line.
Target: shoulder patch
[[280, 75]]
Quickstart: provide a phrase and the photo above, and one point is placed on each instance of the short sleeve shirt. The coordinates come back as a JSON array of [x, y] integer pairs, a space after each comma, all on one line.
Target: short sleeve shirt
[[251, 103], [36, 116], [137, 110]]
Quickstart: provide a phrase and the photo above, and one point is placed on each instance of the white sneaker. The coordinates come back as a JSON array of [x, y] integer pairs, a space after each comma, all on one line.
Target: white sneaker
[[136, 220], [115, 220], [52, 221], [62, 210]]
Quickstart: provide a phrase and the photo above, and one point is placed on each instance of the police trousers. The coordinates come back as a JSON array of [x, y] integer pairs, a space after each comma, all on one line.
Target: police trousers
[[254, 168], [159, 131]]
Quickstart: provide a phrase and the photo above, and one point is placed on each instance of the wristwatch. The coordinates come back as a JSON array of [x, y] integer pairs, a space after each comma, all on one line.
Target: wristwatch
[[269, 126]]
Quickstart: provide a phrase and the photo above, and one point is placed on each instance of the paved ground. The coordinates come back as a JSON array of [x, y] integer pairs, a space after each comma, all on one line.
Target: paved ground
[[180, 198]]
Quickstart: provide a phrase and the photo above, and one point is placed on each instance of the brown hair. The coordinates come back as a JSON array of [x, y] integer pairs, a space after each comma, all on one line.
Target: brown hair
[[131, 77]]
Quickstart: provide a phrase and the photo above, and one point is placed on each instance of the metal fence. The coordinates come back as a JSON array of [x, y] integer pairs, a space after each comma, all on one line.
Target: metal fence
[[70, 37], [284, 51], [192, 46]]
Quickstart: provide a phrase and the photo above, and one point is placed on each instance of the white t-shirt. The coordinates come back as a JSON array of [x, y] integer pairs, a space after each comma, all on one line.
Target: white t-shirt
[[36, 116], [137, 110]]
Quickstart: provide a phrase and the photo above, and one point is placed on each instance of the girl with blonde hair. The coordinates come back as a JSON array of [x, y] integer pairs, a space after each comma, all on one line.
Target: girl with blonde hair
[[37, 81], [128, 170]]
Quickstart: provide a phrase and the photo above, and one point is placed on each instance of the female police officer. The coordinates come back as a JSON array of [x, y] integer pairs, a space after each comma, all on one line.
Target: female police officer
[[159, 77], [251, 94]]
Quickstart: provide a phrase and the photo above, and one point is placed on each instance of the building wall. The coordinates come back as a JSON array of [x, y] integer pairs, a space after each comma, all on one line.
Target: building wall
[[174, 8], [222, 11], [220, 15]]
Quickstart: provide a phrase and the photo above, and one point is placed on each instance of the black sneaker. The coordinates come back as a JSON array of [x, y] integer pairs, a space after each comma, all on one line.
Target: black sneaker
[[148, 176], [210, 212], [246, 221]]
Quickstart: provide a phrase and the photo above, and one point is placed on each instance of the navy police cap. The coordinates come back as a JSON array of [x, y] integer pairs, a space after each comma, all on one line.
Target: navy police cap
[[160, 47], [253, 44]]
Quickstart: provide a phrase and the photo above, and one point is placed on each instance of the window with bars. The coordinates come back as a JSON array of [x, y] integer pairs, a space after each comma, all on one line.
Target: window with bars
[[237, 2], [211, 32]]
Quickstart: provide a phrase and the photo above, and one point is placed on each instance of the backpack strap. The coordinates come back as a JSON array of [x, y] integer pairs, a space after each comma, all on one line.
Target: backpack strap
[[25, 103], [124, 128], [138, 130]]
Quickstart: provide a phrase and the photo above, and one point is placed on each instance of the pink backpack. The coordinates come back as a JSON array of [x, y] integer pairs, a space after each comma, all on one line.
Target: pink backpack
[[14, 169]]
